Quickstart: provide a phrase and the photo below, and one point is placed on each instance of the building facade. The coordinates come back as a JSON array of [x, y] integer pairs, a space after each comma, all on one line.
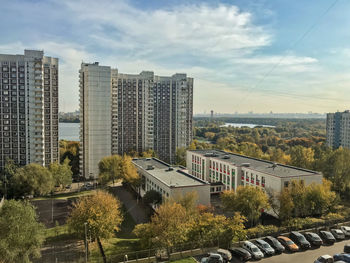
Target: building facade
[[144, 112], [338, 129], [169, 181], [29, 108], [233, 170]]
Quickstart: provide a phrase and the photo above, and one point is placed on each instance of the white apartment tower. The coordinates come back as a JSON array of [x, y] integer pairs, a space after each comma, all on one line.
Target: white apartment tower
[[29, 108], [140, 112], [338, 129]]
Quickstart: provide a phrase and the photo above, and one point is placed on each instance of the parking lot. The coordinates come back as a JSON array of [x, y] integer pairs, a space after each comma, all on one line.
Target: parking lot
[[308, 256]]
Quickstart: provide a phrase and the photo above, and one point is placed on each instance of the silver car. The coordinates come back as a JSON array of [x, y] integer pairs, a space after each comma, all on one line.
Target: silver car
[[253, 250]]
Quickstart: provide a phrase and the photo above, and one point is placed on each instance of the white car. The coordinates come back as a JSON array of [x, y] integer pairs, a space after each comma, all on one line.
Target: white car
[[212, 258], [324, 259], [253, 250], [346, 230], [338, 234]]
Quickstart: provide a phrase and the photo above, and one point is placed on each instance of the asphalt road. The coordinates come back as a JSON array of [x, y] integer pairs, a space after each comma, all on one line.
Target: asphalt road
[[308, 256]]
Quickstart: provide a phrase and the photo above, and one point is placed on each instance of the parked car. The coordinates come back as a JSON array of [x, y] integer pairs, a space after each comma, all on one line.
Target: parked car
[[327, 237], [288, 243], [300, 240], [324, 259], [226, 255], [338, 234], [346, 230], [212, 258], [275, 244], [253, 250], [344, 257], [347, 248], [313, 238], [240, 253], [264, 247]]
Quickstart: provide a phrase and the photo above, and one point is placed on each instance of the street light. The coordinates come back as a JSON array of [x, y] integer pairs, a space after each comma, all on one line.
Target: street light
[[86, 243]]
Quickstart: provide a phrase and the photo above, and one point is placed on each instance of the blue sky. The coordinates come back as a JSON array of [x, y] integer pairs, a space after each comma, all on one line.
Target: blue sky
[[245, 55]]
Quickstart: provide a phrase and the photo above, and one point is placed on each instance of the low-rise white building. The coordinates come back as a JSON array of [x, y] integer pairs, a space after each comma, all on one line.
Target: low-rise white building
[[170, 181], [234, 170]]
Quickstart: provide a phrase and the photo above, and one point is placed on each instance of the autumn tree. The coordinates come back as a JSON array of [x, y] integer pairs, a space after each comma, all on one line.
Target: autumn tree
[[302, 157], [21, 235], [61, 173], [70, 150], [180, 156], [32, 179], [168, 227], [101, 212], [250, 201]]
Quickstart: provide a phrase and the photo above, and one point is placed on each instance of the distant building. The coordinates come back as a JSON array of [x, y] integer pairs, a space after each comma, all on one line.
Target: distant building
[[29, 108], [338, 129], [170, 181], [212, 114], [124, 113], [233, 170]]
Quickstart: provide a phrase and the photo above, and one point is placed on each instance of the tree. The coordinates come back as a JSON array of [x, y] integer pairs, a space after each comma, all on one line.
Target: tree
[[152, 197], [180, 156], [21, 236], [286, 205], [32, 179], [250, 201], [168, 227], [337, 170], [61, 173], [110, 169], [302, 157], [116, 167], [9, 170], [70, 150], [101, 212]]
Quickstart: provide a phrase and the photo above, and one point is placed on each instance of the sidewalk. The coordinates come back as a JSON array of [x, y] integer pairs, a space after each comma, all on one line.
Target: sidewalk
[[138, 211]]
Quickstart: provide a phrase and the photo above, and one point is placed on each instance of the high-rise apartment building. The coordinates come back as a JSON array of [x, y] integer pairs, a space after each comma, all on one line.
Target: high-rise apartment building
[[338, 129], [29, 108], [144, 112]]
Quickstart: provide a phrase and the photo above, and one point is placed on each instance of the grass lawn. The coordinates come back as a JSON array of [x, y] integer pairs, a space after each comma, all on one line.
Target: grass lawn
[[58, 233], [66, 195], [185, 260]]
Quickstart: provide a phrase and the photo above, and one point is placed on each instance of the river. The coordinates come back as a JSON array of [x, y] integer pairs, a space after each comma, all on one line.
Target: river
[[68, 131]]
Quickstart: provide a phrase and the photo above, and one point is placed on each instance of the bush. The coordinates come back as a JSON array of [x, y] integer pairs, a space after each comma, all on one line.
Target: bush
[[261, 230], [333, 218], [303, 223]]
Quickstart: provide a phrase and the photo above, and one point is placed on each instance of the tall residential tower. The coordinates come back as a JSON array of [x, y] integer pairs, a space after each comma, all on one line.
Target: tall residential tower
[[29, 108], [338, 129], [139, 112]]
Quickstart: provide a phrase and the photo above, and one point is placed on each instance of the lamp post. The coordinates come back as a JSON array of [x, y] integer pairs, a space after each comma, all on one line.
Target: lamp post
[[86, 243]]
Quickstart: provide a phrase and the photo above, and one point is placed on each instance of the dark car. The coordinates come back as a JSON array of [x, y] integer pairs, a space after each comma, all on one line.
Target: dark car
[[347, 248], [264, 247], [327, 237], [300, 240], [275, 244], [342, 257], [314, 239], [240, 253]]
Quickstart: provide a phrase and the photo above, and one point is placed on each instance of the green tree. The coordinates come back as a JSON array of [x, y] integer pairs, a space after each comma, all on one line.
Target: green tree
[[337, 170], [62, 173], [250, 201], [21, 236], [180, 156], [70, 150], [32, 179], [110, 169], [152, 197], [101, 212]]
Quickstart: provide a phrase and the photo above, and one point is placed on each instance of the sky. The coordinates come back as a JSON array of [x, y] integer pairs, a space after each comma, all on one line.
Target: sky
[[244, 55]]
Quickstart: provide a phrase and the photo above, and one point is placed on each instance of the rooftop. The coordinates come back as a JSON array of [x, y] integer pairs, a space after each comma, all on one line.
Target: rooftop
[[172, 176], [276, 169]]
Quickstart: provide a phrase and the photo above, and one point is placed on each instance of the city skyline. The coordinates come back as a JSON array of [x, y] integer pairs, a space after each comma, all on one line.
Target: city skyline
[[243, 55]]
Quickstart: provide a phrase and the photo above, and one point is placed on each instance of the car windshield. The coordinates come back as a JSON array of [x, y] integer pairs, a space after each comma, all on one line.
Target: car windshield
[[302, 238], [264, 245], [255, 249], [289, 242], [328, 235]]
